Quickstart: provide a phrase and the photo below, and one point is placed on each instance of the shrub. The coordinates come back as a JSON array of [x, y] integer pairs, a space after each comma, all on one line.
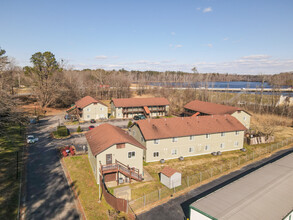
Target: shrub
[[62, 131], [79, 129], [129, 124]]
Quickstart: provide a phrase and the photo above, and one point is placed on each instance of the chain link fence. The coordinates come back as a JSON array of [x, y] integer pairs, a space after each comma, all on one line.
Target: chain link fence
[[199, 177]]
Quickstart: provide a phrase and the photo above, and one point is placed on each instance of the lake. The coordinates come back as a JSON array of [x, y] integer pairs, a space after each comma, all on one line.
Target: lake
[[233, 84]]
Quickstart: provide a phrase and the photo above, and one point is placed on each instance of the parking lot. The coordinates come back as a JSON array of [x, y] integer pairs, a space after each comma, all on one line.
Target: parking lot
[[85, 126]]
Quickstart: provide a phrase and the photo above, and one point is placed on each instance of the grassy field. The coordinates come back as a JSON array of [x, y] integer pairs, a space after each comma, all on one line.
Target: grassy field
[[192, 165], [84, 182], [10, 144]]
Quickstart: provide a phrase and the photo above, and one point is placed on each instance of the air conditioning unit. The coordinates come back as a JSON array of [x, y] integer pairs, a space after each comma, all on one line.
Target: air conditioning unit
[[120, 180], [214, 153], [162, 161], [219, 153], [243, 149], [181, 158]]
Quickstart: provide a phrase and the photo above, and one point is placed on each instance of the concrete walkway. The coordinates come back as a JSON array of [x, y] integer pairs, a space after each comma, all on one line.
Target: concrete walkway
[[48, 195], [178, 208]]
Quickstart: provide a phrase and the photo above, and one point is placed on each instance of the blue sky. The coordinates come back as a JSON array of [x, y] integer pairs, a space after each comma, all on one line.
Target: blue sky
[[225, 36]]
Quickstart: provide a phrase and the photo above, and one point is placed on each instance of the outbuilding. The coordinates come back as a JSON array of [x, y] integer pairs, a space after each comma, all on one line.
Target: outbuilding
[[170, 177]]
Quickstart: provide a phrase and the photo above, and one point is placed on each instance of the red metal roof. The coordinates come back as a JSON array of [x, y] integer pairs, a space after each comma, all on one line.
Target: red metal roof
[[168, 171], [140, 102], [211, 108], [186, 126], [104, 136], [87, 100]]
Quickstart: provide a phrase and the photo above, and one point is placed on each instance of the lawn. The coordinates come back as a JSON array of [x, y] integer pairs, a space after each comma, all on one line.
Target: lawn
[[12, 142], [84, 183]]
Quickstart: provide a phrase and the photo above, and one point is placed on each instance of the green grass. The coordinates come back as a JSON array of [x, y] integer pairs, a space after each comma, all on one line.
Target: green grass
[[10, 143], [84, 182], [71, 123]]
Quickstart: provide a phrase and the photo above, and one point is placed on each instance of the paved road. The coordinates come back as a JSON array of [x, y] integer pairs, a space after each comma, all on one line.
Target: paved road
[[48, 195], [178, 208], [85, 126]]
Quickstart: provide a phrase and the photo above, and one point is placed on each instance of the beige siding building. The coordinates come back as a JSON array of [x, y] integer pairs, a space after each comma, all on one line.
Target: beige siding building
[[114, 154], [149, 107], [89, 108], [197, 107], [172, 138]]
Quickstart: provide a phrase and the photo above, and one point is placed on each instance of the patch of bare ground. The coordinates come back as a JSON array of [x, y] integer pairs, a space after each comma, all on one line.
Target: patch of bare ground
[[33, 109]]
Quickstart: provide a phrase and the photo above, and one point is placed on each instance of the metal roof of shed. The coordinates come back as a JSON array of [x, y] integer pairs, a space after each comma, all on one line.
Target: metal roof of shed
[[266, 193]]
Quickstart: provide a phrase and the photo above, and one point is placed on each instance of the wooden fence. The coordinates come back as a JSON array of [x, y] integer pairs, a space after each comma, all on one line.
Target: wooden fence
[[117, 203]]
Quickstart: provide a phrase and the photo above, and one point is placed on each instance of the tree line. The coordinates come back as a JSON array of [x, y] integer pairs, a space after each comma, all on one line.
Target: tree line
[[53, 84]]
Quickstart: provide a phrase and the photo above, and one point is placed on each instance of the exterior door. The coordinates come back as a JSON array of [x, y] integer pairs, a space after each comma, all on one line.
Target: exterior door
[[108, 158]]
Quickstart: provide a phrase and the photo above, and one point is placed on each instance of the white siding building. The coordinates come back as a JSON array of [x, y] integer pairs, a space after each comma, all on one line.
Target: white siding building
[[266, 193], [171, 138], [170, 177]]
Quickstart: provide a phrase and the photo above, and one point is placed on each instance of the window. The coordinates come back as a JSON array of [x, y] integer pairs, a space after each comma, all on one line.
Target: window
[[191, 150], [156, 141], [208, 136], [174, 139], [133, 133], [174, 151], [156, 154], [236, 132], [119, 114], [191, 138], [88, 109], [222, 134], [244, 118], [207, 147], [222, 145], [236, 143], [101, 109], [141, 139], [88, 116], [131, 154]]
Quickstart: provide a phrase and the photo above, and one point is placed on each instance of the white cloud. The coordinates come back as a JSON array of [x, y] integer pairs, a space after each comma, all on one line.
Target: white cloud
[[210, 45], [101, 57], [226, 38], [205, 10], [175, 45], [256, 57], [251, 64], [173, 33], [198, 8]]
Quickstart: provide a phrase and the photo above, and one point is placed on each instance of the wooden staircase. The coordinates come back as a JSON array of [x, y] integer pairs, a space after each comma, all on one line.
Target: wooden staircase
[[131, 173]]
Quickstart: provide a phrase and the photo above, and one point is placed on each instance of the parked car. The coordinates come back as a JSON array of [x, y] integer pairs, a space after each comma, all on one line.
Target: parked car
[[139, 117], [67, 117], [31, 139], [91, 127], [93, 121]]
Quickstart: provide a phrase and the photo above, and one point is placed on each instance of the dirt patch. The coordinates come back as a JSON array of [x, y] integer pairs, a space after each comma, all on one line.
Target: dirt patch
[[143, 96], [37, 110]]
